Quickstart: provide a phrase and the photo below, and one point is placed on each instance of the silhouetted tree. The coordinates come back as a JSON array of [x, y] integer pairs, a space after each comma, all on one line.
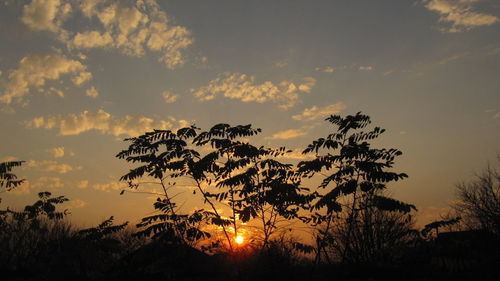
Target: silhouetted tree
[[164, 156], [479, 201], [355, 171], [9, 180], [241, 176], [23, 234], [436, 225], [250, 179], [373, 235]]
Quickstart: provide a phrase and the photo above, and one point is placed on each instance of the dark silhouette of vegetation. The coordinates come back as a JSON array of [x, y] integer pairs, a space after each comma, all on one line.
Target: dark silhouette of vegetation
[[374, 235], [9, 180], [360, 233], [245, 178], [352, 179], [479, 201]]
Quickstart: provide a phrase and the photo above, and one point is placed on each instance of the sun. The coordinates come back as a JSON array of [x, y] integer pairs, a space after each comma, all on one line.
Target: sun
[[239, 239]]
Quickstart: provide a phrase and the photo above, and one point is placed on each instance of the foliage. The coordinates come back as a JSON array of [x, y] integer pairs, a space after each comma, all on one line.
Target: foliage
[[247, 179], [250, 179], [354, 171], [435, 225], [23, 234], [479, 201], [9, 180], [374, 235]]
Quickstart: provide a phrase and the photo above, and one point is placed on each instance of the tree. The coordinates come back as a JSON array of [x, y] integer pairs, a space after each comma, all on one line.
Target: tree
[[251, 180], [165, 155], [479, 201], [9, 180], [374, 235], [352, 177], [24, 234], [234, 173]]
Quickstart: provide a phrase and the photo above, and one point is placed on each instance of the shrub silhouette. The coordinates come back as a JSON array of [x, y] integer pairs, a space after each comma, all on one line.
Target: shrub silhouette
[[361, 233], [354, 176]]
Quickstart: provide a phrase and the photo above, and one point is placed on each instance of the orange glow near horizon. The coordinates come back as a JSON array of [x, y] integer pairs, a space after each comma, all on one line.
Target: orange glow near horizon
[[239, 239]]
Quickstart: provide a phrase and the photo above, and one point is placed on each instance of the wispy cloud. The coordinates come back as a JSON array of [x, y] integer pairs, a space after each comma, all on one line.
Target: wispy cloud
[[76, 204], [281, 63], [107, 187], [82, 184], [296, 154], [47, 15], [83, 77], [315, 112], [92, 92], [245, 88], [104, 122], [57, 152], [289, 134], [52, 166], [460, 14], [327, 69], [169, 97], [132, 27], [366, 67], [41, 183], [34, 70], [48, 183]]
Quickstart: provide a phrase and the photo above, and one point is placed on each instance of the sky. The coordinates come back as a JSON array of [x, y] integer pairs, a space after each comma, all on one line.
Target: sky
[[77, 77]]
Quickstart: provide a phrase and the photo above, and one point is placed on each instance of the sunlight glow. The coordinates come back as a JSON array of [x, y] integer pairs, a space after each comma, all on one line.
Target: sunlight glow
[[239, 240]]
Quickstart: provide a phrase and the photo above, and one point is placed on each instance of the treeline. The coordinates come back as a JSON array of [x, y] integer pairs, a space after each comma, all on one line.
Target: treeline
[[338, 193]]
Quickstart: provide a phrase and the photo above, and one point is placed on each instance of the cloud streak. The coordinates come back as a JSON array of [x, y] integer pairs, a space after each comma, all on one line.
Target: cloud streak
[[460, 14], [57, 152], [103, 122], [35, 70], [130, 27], [315, 112], [289, 134], [52, 166], [245, 88]]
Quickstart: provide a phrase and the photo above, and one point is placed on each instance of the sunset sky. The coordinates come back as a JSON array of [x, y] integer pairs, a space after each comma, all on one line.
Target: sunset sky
[[77, 77]]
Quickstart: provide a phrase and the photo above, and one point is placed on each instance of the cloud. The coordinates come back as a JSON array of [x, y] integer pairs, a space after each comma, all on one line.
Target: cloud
[[57, 152], [52, 166], [22, 189], [34, 70], [91, 39], [244, 87], [168, 97], [289, 134], [83, 77], [296, 154], [56, 92], [281, 63], [133, 29], [327, 69], [92, 92], [42, 183], [48, 183], [366, 68], [314, 112], [460, 14], [82, 184], [104, 122], [76, 204], [9, 158], [45, 15], [107, 187]]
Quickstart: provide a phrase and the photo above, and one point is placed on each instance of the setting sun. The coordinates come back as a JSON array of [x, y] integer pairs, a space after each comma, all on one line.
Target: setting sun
[[239, 240]]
